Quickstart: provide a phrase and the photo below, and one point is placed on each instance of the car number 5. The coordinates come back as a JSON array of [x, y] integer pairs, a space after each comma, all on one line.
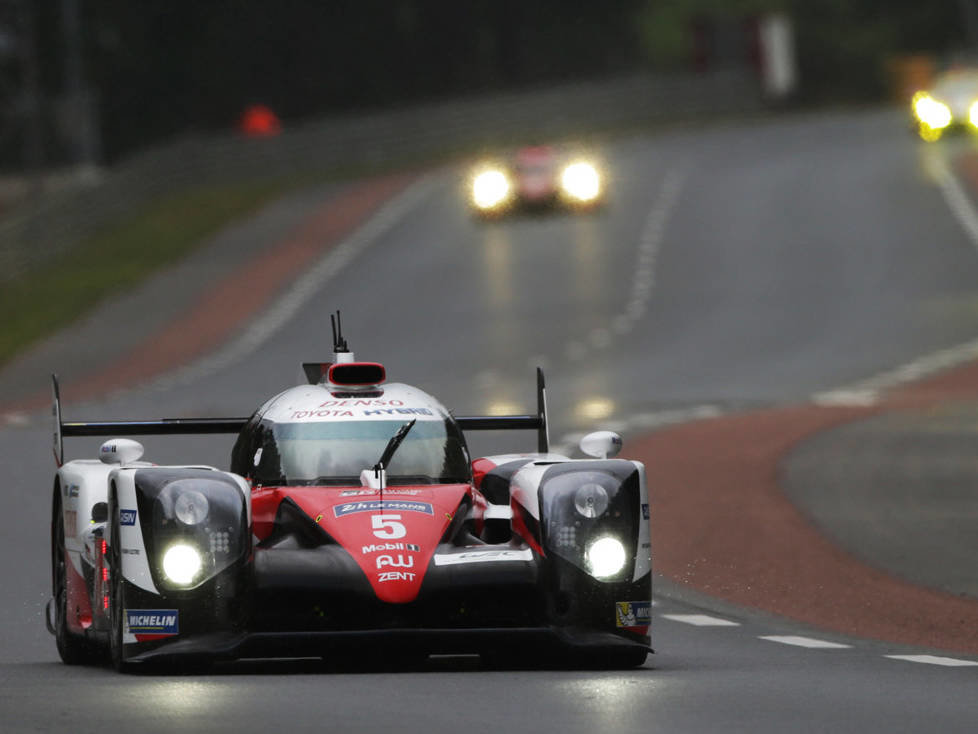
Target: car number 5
[[388, 527]]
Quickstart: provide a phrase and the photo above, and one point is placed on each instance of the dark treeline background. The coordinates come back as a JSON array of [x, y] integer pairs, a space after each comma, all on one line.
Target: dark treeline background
[[157, 69]]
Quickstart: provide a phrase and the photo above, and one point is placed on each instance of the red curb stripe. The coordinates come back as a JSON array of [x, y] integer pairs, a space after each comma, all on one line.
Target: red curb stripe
[[722, 525], [235, 299]]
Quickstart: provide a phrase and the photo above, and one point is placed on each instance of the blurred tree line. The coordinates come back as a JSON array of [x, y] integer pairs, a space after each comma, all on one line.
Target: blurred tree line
[[161, 68]]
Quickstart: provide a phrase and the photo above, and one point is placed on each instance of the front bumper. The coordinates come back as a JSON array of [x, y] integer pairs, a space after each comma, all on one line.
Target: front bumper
[[318, 603], [542, 641]]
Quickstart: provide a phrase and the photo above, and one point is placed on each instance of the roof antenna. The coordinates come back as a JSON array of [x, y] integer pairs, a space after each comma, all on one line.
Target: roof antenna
[[341, 352]]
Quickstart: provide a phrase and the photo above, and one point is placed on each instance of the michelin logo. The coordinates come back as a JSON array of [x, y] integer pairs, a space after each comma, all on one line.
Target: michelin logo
[[633, 613], [153, 621], [350, 508]]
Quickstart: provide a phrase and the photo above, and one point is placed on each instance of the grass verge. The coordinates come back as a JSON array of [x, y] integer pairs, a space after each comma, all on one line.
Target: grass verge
[[50, 298]]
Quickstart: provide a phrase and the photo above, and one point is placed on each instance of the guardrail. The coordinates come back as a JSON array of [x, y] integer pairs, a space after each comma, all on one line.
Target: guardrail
[[43, 228]]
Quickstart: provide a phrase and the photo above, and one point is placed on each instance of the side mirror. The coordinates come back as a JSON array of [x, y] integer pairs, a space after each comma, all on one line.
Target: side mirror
[[601, 444], [100, 512], [120, 451]]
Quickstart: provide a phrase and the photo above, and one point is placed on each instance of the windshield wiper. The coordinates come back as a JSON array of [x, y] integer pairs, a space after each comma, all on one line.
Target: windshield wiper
[[392, 445]]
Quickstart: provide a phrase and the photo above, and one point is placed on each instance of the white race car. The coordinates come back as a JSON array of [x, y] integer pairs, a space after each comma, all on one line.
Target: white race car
[[352, 521]]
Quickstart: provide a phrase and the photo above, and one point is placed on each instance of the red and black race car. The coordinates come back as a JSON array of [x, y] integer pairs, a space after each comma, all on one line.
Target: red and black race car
[[352, 522], [538, 176]]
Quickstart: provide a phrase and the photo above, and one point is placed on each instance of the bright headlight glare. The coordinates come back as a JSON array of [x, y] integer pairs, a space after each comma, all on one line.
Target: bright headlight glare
[[489, 189], [605, 557], [973, 114], [581, 181], [936, 115], [191, 508], [591, 500], [181, 564]]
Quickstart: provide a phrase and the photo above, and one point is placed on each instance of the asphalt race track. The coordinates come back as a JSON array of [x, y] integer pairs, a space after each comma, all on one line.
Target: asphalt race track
[[734, 268]]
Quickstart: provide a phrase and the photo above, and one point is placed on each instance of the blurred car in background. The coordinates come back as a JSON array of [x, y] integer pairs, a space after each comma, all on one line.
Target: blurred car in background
[[950, 104], [536, 177]]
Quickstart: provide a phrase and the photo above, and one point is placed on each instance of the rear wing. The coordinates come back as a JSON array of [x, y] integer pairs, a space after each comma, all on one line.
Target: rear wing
[[174, 426], [536, 422], [163, 426]]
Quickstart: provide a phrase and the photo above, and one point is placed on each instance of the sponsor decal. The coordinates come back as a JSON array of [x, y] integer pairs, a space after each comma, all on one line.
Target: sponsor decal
[[400, 561], [387, 490], [362, 403], [645, 512], [395, 576], [398, 411], [646, 546], [378, 547], [71, 490], [483, 556], [153, 621], [71, 522], [130, 551], [127, 517], [298, 415], [633, 613], [354, 408], [350, 508]]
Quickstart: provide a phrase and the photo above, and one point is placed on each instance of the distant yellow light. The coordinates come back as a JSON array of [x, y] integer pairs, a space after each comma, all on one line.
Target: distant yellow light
[[935, 115], [490, 189], [594, 409], [581, 181], [502, 407]]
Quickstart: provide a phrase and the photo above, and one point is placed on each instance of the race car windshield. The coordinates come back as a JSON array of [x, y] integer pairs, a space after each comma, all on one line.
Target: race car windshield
[[336, 453]]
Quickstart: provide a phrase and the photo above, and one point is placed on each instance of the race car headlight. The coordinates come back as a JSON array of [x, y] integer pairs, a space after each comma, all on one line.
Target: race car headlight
[[605, 557], [581, 181], [973, 114], [591, 500], [182, 563], [490, 189], [194, 524], [936, 115], [591, 514], [191, 507]]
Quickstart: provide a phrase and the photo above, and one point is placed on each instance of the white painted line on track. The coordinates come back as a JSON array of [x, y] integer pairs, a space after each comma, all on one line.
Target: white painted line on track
[[866, 392], [955, 196], [308, 285], [934, 660], [700, 620], [809, 642]]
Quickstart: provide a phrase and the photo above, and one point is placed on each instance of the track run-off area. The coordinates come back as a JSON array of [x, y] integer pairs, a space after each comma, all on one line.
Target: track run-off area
[[781, 317]]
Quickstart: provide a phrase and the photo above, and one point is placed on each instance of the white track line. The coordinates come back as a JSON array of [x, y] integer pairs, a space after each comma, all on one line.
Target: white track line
[[643, 278], [956, 197], [701, 620], [809, 642], [934, 660], [304, 288], [866, 392]]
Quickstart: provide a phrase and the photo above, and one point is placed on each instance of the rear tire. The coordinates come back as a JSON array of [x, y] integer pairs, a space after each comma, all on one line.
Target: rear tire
[[117, 594], [72, 649]]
